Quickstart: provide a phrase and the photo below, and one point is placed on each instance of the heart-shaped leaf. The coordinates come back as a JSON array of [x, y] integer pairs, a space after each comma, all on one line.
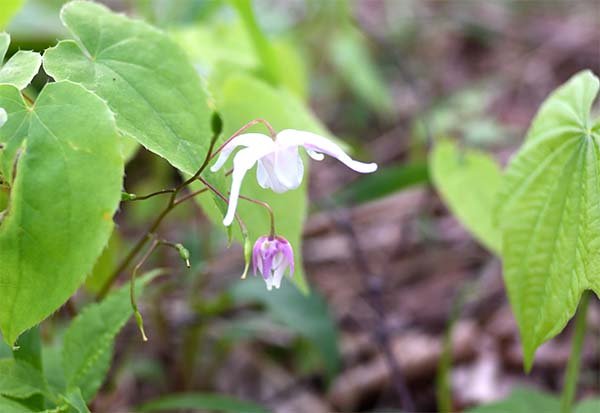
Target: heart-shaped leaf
[[549, 215], [64, 168], [144, 77]]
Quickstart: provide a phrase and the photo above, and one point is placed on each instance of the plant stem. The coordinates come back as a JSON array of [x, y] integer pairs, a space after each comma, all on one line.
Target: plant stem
[[574, 364], [269, 210]]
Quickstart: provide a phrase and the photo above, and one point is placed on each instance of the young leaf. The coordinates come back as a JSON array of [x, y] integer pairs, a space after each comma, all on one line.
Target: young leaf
[[144, 76], [201, 401], [588, 406], [549, 215], [67, 186], [20, 379], [468, 181], [20, 68], [522, 401], [307, 315], [88, 342]]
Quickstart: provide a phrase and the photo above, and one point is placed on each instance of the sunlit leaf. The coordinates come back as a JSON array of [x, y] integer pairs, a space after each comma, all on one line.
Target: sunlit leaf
[[10, 406], [468, 181], [143, 75], [549, 214], [20, 68], [8, 10], [58, 220]]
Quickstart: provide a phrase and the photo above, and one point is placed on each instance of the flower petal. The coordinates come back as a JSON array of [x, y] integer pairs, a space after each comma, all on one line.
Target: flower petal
[[317, 143], [247, 140], [3, 116], [288, 168], [242, 162]]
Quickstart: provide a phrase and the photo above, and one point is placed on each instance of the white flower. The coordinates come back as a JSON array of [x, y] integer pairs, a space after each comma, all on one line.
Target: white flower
[[3, 116], [280, 167]]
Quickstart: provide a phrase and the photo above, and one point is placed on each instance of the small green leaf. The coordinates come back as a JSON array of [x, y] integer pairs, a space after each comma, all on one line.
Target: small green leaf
[[307, 315], [201, 401], [20, 379], [88, 342], [144, 76], [67, 187], [549, 215], [20, 68], [522, 401], [468, 181], [386, 181], [74, 399]]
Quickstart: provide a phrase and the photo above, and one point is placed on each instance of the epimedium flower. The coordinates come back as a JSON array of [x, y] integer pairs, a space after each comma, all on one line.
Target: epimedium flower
[[272, 256], [280, 167]]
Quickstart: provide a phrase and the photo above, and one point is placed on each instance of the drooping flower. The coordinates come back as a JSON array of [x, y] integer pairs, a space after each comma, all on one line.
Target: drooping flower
[[280, 167], [272, 256]]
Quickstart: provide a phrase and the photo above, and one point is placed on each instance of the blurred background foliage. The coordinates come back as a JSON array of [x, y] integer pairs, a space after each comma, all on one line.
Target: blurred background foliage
[[389, 78]]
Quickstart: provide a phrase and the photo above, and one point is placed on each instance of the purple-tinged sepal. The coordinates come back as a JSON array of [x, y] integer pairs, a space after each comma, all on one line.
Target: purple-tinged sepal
[[272, 256]]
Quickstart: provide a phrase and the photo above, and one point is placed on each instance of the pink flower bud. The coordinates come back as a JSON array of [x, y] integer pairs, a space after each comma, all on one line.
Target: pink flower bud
[[272, 256]]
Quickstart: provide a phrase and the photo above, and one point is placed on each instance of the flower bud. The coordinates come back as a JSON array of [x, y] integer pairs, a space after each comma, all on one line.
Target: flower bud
[[272, 256]]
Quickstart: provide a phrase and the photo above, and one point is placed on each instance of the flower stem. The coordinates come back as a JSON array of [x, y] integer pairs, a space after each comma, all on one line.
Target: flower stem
[[574, 364], [269, 210], [173, 202], [244, 128]]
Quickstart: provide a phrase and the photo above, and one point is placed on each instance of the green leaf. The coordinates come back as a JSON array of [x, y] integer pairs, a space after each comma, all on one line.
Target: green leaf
[[29, 348], [10, 406], [522, 401], [8, 10], [306, 315], [242, 100], [20, 68], [20, 379], [350, 55], [74, 399], [549, 215], [588, 406], [88, 342], [144, 76], [468, 181], [386, 181], [67, 187], [201, 401]]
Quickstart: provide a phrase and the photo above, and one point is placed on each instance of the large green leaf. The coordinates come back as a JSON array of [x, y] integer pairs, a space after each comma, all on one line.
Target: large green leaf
[[201, 401], [88, 342], [549, 215], [588, 406], [243, 99], [20, 379], [306, 315], [522, 401], [20, 68], [67, 187], [144, 76], [468, 181]]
